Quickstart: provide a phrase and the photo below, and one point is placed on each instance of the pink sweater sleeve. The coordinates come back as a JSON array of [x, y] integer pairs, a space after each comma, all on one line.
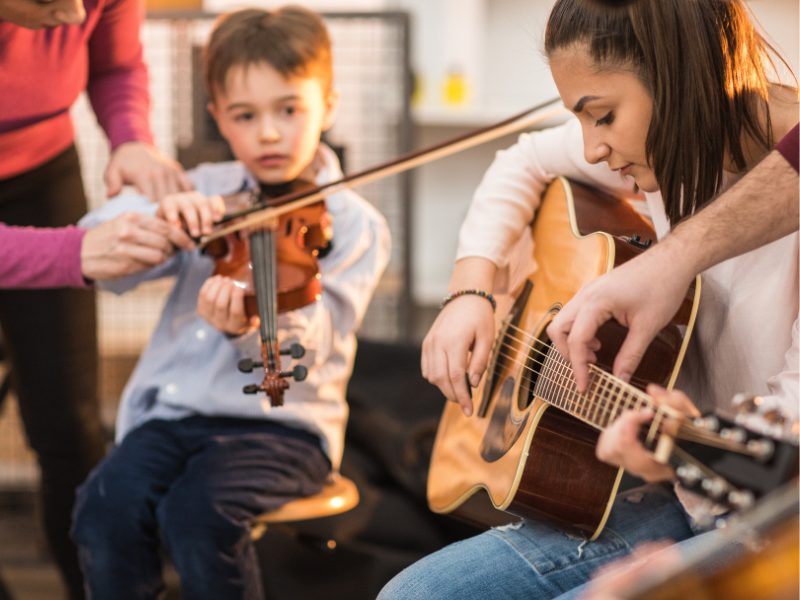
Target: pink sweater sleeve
[[40, 258], [118, 76]]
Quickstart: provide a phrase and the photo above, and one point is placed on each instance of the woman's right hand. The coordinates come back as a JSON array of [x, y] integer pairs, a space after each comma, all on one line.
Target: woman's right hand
[[465, 324]]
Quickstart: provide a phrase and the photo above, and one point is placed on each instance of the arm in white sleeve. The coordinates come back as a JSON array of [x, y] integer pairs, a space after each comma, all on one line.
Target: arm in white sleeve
[[784, 387]]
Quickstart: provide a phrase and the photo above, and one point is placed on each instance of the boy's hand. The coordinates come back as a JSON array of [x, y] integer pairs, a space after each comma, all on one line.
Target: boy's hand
[[199, 212], [221, 303], [619, 444]]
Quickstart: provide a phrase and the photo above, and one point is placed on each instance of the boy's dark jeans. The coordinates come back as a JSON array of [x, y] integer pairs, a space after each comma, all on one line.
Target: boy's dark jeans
[[193, 485]]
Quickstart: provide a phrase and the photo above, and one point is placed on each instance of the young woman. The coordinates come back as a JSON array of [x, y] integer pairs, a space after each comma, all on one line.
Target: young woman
[[672, 105]]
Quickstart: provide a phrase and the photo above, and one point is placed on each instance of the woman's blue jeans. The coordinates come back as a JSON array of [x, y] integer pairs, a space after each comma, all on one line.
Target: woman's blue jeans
[[195, 486], [533, 561]]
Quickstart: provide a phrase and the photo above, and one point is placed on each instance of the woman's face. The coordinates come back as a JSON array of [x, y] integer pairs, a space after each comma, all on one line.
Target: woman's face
[[38, 14], [614, 109]]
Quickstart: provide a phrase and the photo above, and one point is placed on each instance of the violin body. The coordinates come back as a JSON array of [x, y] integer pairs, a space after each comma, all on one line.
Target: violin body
[[276, 263], [300, 235]]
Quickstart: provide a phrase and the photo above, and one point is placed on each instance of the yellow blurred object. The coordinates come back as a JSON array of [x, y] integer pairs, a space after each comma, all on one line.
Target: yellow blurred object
[[455, 90], [173, 4]]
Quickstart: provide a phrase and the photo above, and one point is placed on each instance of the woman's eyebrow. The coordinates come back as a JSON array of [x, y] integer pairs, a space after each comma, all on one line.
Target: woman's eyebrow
[[582, 102]]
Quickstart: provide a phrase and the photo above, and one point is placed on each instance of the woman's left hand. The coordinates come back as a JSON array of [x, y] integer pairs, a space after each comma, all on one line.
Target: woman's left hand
[[144, 166], [619, 444]]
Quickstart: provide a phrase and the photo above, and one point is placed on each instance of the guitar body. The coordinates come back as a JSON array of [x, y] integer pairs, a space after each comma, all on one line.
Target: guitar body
[[533, 459]]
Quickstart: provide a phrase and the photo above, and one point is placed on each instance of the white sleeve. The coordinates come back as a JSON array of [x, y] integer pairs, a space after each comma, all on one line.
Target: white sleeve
[[784, 387], [510, 192]]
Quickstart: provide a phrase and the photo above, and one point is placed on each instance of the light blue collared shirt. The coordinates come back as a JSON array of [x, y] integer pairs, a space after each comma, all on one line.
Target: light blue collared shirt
[[190, 368]]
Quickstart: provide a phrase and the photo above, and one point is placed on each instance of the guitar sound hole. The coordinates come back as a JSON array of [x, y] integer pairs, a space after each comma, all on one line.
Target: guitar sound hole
[[533, 367]]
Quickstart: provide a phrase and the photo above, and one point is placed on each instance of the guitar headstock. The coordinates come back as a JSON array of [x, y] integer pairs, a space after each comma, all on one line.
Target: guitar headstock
[[735, 462]]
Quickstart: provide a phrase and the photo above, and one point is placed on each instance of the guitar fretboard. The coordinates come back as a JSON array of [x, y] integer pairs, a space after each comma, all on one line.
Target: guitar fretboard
[[605, 399]]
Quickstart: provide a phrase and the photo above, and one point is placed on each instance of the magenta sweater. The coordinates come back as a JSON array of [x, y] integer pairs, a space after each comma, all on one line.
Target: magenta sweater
[[38, 258], [43, 72]]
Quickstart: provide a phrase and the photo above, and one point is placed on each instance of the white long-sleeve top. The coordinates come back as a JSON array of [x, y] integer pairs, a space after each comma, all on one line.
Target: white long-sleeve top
[[746, 333]]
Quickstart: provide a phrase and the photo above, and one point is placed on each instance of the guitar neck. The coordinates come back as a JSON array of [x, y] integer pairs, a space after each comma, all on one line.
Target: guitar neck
[[605, 399]]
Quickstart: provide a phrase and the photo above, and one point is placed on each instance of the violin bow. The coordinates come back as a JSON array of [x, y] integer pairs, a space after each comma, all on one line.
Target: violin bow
[[259, 214]]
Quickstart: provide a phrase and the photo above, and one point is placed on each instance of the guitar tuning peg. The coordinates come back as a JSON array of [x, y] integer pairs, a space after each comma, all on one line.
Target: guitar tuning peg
[[689, 475], [714, 487], [741, 499], [709, 422], [762, 449], [735, 434]]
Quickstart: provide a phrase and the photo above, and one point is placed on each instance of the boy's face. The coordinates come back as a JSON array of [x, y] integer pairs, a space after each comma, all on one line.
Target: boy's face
[[272, 122]]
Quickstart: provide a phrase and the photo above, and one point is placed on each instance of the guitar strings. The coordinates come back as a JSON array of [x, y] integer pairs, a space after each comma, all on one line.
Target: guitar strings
[[541, 341], [567, 368], [602, 407]]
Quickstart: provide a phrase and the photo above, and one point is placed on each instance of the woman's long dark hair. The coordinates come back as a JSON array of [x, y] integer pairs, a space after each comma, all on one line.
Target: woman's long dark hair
[[704, 64]]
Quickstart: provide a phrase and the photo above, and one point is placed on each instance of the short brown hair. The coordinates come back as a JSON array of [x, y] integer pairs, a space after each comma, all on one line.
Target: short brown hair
[[293, 40]]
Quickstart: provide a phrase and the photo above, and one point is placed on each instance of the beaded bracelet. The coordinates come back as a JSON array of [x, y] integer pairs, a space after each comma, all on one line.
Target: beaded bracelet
[[448, 299]]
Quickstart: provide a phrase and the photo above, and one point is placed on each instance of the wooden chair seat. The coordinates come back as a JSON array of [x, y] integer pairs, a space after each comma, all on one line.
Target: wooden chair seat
[[339, 495]]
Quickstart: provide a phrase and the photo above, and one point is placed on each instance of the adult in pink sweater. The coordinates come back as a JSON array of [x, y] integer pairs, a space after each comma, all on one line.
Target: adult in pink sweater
[[50, 51]]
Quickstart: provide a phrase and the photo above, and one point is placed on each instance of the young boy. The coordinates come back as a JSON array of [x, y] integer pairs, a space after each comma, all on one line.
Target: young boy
[[196, 459]]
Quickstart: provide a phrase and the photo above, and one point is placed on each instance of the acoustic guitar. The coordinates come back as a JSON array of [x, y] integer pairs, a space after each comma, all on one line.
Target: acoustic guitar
[[531, 441]]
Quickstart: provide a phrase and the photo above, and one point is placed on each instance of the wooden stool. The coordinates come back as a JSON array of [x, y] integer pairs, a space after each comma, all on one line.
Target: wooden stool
[[339, 495]]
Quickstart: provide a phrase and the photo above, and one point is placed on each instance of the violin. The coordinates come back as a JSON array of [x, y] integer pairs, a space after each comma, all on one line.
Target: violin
[[276, 263], [271, 246]]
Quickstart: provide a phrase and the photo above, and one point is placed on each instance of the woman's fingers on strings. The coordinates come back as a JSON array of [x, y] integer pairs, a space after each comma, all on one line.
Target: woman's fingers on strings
[[559, 328], [479, 358]]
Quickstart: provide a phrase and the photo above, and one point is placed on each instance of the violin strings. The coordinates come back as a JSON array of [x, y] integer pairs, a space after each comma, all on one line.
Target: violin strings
[[263, 259]]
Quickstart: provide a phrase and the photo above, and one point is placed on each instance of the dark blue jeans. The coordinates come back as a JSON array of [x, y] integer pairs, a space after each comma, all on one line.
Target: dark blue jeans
[[193, 485]]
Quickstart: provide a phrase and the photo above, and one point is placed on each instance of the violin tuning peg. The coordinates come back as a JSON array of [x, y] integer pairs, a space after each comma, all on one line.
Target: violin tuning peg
[[246, 365], [299, 373], [250, 389], [295, 350]]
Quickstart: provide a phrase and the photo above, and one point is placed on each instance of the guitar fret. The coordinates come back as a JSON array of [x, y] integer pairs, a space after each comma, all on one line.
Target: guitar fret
[[564, 378], [602, 388], [617, 410]]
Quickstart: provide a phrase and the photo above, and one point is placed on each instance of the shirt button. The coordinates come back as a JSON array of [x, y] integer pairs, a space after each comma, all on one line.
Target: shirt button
[[171, 388], [201, 334]]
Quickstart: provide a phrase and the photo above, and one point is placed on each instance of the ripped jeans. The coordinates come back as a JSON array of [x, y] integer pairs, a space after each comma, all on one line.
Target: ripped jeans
[[533, 561]]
